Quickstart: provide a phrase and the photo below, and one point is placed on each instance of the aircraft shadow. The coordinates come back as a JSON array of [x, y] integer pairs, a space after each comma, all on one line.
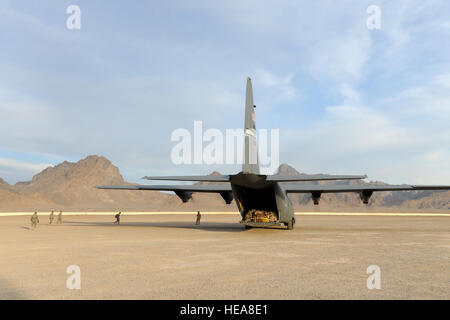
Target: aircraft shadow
[[205, 226]]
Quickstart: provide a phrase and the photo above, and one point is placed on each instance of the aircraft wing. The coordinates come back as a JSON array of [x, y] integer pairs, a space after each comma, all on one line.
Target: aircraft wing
[[184, 192], [209, 178], [312, 177], [425, 187], [365, 190], [187, 188], [357, 188]]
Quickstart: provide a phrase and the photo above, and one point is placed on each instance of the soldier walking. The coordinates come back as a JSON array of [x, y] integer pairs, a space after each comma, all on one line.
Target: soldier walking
[[199, 216], [117, 216], [34, 221], [59, 220], [51, 217]]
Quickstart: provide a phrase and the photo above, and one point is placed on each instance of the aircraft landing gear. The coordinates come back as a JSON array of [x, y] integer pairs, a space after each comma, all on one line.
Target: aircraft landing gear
[[290, 224]]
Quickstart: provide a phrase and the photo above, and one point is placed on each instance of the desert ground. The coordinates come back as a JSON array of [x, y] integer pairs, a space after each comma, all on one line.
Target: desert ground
[[165, 256]]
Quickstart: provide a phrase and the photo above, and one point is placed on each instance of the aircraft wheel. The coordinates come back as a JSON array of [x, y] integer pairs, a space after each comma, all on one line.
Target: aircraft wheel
[[290, 225]]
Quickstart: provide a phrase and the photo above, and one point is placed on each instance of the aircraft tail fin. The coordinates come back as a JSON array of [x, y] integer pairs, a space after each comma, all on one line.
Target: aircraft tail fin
[[250, 164]]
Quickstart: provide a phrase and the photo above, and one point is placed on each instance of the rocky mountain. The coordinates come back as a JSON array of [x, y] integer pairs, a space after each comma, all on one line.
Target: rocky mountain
[[285, 169], [70, 186], [4, 185]]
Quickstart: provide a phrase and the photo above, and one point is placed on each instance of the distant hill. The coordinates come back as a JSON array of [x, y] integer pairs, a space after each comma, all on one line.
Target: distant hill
[[70, 186], [4, 185]]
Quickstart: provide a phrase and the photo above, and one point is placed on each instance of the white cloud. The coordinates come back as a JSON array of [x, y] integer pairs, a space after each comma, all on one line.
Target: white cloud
[[13, 171], [281, 86], [349, 94], [429, 102], [400, 139], [342, 57], [355, 129], [13, 164], [445, 26]]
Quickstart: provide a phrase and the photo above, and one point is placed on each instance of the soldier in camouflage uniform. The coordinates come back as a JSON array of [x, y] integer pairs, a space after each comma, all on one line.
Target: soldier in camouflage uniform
[[199, 216], [117, 216], [34, 220], [51, 217], [59, 220]]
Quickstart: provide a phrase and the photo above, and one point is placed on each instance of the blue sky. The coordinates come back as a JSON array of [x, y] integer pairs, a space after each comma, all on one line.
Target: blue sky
[[347, 100]]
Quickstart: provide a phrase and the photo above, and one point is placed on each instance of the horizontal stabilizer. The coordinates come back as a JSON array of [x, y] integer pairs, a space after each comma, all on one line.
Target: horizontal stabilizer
[[188, 188], [357, 188], [209, 178], [312, 177]]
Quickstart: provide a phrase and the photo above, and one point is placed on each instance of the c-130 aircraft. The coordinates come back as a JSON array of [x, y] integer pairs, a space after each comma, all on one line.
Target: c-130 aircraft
[[255, 192]]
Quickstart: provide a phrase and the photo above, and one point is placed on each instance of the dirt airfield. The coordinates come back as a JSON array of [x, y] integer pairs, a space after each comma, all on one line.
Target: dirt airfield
[[165, 256]]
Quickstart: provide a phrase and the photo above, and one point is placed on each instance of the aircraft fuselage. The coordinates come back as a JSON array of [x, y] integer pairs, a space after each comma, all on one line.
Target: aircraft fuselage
[[252, 192]]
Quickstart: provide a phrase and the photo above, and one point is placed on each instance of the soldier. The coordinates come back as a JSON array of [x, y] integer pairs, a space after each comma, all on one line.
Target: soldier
[[197, 222], [59, 221], [34, 220], [51, 217], [117, 216]]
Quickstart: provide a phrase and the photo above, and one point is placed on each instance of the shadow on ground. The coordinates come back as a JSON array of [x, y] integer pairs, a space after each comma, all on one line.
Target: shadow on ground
[[206, 226], [237, 227]]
